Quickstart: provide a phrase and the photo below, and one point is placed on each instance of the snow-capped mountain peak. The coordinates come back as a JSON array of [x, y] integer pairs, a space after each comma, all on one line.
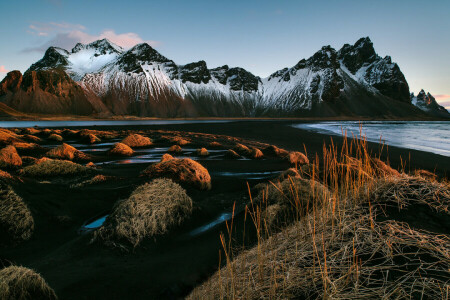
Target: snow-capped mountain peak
[[142, 81]]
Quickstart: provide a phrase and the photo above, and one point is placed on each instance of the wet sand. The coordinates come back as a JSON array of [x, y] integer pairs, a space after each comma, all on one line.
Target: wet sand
[[167, 267]]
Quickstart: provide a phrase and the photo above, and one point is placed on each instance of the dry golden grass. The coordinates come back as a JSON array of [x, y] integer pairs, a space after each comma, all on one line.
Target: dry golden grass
[[151, 210], [16, 221], [166, 157], [65, 151], [275, 151], [119, 149], [255, 153], [232, 154], [19, 283], [184, 171], [9, 158], [55, 137], [7, 136], [202, 152], [343, 246], [54, 168], [241, 149], [137, 140], [175, 149], [297, 158]]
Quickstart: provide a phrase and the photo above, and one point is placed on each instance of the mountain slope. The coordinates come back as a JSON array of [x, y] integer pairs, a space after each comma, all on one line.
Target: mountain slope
[[427, 103], [102, 78]]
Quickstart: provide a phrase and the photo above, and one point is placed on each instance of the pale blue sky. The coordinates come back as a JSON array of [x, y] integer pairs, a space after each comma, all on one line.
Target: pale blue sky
[[260, 36]]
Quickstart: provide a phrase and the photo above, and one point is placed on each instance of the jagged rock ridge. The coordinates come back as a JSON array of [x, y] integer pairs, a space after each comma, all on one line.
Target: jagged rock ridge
[[102, 78], [426, 102]]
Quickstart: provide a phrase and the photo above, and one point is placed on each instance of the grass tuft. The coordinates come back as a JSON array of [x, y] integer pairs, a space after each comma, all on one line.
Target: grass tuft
[[151, 210]]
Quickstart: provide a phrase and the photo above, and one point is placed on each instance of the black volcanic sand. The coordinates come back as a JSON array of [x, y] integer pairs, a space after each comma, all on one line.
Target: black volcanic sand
[[169, 266]]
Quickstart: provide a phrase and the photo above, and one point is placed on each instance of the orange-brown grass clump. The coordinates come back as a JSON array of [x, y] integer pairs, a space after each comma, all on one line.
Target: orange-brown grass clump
[[425, 174], [119, 149], [9, 158], [7, 136], [92, 138], [232, 154], [166, 157], [54, 168], [275, 151], [16, 221], [151, 210], [32, 138], [25, 146], [65, 151], [175, 149], [297, 158], [241, 149], [202, 152], [291, 172], [184, 171], [347, 245], [136, 141], [289, 199], [255, 153], [94, 180], [31, 131], [215, 145], [19, 283], [55, 137]]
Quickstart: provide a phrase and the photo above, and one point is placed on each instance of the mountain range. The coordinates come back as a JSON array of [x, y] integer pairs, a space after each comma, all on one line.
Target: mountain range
[[101, 79]]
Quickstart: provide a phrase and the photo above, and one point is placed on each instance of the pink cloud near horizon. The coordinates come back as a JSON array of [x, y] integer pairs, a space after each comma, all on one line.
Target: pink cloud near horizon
[[66, 35], [3, 69]]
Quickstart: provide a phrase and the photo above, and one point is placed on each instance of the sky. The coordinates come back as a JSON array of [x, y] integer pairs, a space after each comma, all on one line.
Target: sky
[[258, 35]]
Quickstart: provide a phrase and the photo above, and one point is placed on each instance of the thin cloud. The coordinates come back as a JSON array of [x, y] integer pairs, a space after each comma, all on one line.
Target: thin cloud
[[66, 35], [3, 70], [46, 29], [443, 96], [445, 104]]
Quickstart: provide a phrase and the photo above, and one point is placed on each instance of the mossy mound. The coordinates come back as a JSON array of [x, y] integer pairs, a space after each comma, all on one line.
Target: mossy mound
[[53, 168]]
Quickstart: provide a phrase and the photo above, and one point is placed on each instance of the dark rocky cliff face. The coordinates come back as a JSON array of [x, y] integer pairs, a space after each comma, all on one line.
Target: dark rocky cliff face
[[381, 73], [426, 102], [45, 92]]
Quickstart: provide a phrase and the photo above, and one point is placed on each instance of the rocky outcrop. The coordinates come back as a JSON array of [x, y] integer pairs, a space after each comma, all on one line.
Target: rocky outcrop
[[46, 92], [426, 102]]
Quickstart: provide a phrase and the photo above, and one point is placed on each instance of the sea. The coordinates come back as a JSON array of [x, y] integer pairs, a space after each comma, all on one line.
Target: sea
[[429, 136]]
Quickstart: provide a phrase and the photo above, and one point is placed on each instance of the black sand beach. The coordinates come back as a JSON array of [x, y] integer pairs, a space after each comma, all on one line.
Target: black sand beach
[[166, 267]]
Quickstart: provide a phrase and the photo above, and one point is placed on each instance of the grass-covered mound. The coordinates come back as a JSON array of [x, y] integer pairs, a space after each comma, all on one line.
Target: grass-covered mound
[[151, 210], [16, 221], [185, 171], [9, 158], [289, 199], [54, 168], [346, 251], [119, 149], [19, 283], [66, 151], [136, 141], [378, 234]]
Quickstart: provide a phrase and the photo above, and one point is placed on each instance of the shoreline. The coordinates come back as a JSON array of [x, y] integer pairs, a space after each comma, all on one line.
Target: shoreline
[[283, 135]]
